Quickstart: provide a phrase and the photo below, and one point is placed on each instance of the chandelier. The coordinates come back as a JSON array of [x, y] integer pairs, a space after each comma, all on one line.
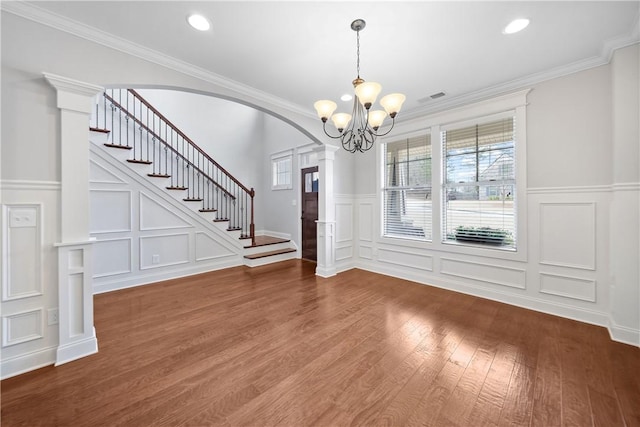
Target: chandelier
[[358, 130]]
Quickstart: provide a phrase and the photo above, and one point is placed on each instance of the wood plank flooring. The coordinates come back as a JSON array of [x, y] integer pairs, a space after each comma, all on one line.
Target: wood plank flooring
[[276, 345]]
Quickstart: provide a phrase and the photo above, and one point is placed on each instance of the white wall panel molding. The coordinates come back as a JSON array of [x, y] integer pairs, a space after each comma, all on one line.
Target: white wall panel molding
[[365, 251], [111, 211], [154, 216], [344, 221], [568, 286], [626, 186], [164, 250], [483, 272], [99, 174], [207, 248], [568, 234], [22, 251], [405, 258], [22, 327], [23, 185], [365, 220], [112, 257], [570, 190], [344, 253]]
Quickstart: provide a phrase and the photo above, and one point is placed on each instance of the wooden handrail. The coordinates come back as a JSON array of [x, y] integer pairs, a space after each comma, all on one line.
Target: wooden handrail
[[166, 144], [179, 132]]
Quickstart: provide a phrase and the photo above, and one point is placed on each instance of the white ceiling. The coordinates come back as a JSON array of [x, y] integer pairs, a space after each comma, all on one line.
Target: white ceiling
[[304, 51]]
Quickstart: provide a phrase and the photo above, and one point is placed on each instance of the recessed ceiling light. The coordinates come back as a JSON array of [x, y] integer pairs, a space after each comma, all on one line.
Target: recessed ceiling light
[[516, 25], [199, 22], [346, 97]]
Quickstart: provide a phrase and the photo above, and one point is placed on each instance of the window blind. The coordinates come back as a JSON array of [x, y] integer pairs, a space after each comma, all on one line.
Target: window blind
[[479, 190], [407, 206]]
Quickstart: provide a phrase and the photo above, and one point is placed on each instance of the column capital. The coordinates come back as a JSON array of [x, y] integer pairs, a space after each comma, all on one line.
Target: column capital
[[72, 94], [326, 152]]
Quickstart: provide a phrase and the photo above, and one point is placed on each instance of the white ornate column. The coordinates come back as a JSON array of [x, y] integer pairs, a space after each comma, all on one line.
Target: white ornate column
[[75, 292], [326, 212]]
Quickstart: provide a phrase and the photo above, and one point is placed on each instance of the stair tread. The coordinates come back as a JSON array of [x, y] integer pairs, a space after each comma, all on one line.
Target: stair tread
[[221, 220], [267, 240], [270, 253], [142, 162], [192, 200], [177, 188], [122, 147], [158, 175], [100, 130], [208, 210]]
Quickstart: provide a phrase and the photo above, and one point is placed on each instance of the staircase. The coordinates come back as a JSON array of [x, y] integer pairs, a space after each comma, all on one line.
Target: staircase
[[140, 135]]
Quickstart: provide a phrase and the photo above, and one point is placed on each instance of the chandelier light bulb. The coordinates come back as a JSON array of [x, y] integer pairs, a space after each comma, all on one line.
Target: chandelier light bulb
[[367, 93], [325, 108], [392, 103], [376, 118], [341, 120]]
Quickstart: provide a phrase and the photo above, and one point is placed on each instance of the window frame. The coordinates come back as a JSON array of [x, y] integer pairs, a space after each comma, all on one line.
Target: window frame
[[276, 160], [470, 113]]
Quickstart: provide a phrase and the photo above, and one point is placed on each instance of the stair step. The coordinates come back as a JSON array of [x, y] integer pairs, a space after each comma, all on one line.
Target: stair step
[[177, 188], [234, 228], [267, 240], [122, 147], [101, 131], [208, 210], [221, 220], [189, 199], [141, 162], [269, 253], [243, 237], [158, 175]]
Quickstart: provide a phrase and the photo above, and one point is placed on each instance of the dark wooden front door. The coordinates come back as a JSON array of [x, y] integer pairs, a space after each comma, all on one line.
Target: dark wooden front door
[[309, 213]]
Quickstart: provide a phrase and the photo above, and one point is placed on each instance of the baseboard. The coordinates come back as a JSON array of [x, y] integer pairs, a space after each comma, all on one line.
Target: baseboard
[[527, 302], [77, 350], [273, 234], [27, 362], [147, 279], [623, 334], [325, 272]]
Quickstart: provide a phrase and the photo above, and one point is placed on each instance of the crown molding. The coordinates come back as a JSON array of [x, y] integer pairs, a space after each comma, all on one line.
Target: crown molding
[[252, 95], [263, 99]]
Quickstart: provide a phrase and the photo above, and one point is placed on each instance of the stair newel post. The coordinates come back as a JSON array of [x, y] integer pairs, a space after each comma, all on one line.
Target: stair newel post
[[252, 230]]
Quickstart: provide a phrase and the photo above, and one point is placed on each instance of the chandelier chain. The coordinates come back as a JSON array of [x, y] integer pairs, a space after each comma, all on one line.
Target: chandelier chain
[[358, 53]]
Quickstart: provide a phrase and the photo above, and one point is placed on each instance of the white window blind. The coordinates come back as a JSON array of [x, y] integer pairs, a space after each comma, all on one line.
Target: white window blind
[[479, 186], [407, 188]]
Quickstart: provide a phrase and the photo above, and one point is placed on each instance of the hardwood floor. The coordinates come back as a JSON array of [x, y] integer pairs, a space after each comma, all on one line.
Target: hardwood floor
[[276, 345]]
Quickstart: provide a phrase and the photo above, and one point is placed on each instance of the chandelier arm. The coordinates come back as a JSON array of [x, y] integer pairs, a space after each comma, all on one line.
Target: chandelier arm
[[324, 128], [393, 122]]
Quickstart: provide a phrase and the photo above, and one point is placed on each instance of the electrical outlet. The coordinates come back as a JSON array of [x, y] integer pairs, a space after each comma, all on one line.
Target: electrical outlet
[[155, 259], [52, 316]]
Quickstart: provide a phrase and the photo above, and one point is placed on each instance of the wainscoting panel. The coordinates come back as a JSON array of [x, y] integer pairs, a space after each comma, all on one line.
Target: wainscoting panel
[[101, 175], [488, 273], [405, 259], [208, 248], [568, 235], [22, 246], [365, 251], [164, 250], [567, 286], [344, 222], [21, 327], [365, 221], [110, 211], [112, 257], [154, 216], [344, 253]]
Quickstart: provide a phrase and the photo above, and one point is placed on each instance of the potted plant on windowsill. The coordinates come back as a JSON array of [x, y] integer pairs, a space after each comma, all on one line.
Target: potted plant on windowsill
[[484, 235]]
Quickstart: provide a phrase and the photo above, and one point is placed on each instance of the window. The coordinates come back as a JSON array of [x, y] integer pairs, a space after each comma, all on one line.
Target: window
[[281, 172], [407, 188], [479, 189]]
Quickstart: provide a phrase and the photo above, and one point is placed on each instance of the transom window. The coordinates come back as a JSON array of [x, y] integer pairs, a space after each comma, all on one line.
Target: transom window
[[479, 189], [407, 203], [281, 168]]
